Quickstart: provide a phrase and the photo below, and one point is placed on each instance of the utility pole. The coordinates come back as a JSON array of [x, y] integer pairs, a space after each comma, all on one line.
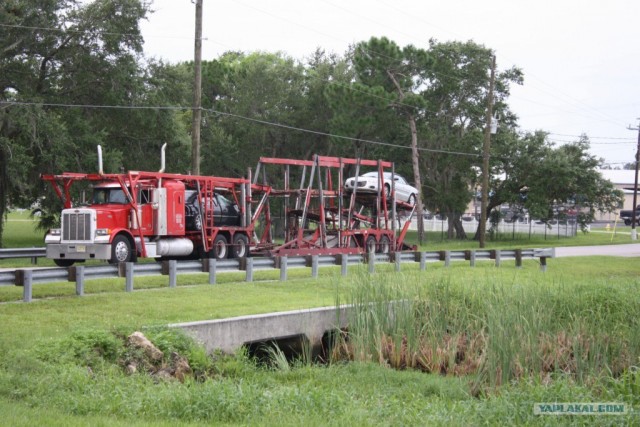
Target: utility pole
[[197, 93], [485, 157], [634, 232]]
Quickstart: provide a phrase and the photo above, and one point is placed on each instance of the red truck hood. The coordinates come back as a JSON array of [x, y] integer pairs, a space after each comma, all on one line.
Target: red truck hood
[[112, 216]]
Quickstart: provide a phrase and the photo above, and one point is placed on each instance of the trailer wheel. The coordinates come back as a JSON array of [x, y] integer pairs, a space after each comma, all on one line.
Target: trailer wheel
[[219, 249], [370, 244], [627, 222], [240, 246], [384, 245], [120, 250], [63, 262]]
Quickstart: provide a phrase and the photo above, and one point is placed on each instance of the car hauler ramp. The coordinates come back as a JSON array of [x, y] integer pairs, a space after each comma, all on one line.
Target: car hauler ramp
[[321, 217]]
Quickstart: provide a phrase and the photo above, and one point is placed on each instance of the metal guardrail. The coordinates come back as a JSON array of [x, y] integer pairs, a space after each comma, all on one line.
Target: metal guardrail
[[79, 273], [33, 253]]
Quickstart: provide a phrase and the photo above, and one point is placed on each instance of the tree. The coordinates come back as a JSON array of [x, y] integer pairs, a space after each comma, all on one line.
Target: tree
[[56, 53], [458, 84], [536, 176], [397, 76]]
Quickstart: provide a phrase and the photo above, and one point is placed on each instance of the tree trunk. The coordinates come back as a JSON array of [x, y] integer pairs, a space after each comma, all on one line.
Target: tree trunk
[[3, 189], [416, 176], [456, 230], [457, 225], [415, 161], [490, 207]]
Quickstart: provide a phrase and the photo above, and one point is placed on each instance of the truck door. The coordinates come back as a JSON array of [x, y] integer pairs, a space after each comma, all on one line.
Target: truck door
[[145, 211]]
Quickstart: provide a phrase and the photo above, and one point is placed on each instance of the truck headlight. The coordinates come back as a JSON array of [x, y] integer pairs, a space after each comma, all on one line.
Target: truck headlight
[[54, 232], [103, 232]]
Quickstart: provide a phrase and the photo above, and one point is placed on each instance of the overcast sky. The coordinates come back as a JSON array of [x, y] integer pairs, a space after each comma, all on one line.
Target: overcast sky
[[581, 58]]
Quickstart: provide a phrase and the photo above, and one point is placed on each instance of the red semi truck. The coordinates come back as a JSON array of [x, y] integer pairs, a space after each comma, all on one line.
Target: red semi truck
[[156, 215]]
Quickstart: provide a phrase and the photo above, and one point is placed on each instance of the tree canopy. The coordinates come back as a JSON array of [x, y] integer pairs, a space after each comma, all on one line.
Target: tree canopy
[[73, 75]]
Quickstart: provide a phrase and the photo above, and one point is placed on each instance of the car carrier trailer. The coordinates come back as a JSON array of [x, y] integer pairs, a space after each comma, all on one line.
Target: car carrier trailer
[[321, 217]]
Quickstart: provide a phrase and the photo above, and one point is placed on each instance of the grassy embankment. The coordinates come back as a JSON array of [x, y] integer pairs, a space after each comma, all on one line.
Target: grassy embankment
[[506, 337], [495, 341]]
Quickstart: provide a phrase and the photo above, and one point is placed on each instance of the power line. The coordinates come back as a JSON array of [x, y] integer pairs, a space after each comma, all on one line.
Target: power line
[[594, 137], [108, 33], [237, 116]]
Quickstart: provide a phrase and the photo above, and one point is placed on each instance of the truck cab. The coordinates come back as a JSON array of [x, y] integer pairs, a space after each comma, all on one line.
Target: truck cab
[[112, 227]]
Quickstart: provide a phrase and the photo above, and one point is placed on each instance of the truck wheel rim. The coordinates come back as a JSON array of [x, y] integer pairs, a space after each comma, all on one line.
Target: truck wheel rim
[[241, 248], [220, 250], [122, 251]]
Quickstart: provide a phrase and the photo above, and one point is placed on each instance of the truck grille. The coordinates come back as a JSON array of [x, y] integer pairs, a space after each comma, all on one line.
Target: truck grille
[[76, 226]]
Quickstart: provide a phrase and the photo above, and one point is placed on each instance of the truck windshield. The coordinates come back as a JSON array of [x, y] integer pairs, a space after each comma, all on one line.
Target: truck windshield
[[103, 196]]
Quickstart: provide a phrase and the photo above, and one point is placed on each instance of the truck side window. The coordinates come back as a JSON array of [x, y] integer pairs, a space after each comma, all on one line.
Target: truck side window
[[144, 196]]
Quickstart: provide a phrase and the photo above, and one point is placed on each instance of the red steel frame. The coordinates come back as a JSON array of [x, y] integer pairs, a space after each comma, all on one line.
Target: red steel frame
[[206, 186], [350, 239]]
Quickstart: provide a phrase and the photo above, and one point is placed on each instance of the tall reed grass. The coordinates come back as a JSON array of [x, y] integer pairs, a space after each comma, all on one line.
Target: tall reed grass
[[494, 328]]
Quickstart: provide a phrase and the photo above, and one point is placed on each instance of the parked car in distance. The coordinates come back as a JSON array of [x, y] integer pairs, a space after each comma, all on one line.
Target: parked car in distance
[[368, 183], [627, 216], [225, 212]]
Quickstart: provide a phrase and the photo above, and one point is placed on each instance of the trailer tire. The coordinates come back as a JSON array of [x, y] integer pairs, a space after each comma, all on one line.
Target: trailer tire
[[240, 247], [627, 222], [412, 199], [384, 245], [219, 249], [370, 244], [121, 250]]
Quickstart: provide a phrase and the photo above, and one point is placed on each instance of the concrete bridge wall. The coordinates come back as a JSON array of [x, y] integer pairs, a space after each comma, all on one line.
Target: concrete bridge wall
[[230, 334]]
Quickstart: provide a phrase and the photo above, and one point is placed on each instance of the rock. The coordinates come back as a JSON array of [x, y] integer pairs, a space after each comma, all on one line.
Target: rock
[[138, 340], [181, 366], [131, 368]]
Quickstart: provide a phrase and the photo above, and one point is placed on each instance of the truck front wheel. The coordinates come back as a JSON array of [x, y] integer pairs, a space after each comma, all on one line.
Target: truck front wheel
[[121, 250]]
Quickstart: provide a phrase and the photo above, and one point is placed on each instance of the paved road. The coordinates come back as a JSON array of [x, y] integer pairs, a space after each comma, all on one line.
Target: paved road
[[629, 250]]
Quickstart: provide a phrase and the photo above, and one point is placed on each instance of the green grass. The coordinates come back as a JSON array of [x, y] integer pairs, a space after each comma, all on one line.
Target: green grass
[[44, 379], [20, 231], [501, 330], [593, 296]]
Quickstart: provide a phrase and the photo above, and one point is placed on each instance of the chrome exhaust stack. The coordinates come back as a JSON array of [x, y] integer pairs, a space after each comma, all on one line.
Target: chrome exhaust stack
[[100, 168], [162, 157]]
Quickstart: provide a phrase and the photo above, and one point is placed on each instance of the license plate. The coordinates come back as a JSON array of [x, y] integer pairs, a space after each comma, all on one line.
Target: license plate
[[81, 248]]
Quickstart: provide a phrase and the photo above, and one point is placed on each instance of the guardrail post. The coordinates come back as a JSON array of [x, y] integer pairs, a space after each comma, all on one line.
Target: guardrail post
[[80, 280], [498, 258], [371, 259], [518, 253], [212, 271], [34, 260], [472, 258], [27, 285], [249, 267], [447, 258], [397, 259], [344, 262], [314, 266], [128, 274], [543, 263], [423, 261], [173, 273], [283, 268]]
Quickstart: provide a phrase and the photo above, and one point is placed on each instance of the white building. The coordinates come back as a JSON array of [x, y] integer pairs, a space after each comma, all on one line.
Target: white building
[[622, 180]]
